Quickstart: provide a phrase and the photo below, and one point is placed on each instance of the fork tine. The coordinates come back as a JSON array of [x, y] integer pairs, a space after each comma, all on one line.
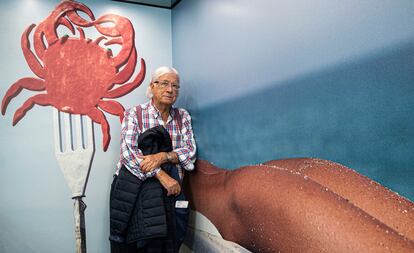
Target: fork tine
[[79, 132], [68, 132], [89, 129], [57, 135]]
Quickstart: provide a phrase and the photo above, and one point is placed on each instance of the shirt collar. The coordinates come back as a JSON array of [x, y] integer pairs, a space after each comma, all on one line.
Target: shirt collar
[[154, 110]]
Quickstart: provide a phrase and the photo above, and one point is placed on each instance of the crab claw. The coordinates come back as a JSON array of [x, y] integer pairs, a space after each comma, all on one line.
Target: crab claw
[[121, 27], [65, 22], [70, 8]]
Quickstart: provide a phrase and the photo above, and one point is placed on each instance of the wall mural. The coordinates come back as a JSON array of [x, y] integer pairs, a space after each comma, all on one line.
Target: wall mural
[[292, 205], [78, 76], [301, 205], [76, 72]]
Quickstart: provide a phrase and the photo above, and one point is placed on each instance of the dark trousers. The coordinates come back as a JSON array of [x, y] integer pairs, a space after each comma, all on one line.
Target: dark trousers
[[153, 246]]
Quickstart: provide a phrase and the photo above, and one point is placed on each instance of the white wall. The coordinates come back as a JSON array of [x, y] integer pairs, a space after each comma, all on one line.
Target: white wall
[[36, 212]]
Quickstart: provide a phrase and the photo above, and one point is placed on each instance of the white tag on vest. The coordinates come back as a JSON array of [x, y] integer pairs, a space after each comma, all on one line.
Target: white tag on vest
[[181, 204]]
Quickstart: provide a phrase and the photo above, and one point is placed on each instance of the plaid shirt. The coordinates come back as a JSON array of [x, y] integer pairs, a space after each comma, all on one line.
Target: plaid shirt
[[183, 141]]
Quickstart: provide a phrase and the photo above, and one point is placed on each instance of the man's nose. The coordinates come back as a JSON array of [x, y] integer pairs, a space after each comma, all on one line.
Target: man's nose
[[169, 88]]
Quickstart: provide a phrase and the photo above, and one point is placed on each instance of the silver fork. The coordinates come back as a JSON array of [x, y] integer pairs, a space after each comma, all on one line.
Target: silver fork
[[74, 151]]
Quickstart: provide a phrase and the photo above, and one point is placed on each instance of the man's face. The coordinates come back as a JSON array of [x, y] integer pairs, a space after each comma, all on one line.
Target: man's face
[[165, 89]]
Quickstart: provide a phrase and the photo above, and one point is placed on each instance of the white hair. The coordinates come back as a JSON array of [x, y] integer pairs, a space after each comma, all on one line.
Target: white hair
[[159, 72]]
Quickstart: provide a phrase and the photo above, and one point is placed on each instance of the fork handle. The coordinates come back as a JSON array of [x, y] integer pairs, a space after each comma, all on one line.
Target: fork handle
[[80, 232]]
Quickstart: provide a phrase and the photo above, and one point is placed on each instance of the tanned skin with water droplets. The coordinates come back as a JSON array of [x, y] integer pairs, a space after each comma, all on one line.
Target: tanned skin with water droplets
[[301, 205]]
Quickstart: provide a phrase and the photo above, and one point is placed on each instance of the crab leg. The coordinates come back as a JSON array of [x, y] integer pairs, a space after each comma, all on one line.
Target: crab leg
[[98, 117], [123, 28], [31, 59], [126, 73], [40, 99], [127, 88], [112, 107], [29, 83]]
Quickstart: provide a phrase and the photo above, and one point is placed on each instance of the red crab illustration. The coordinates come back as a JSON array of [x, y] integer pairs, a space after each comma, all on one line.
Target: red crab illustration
[[78, 75]]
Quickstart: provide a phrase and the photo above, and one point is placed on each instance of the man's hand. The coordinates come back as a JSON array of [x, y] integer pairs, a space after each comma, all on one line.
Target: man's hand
[[151, 162], [170, 184]]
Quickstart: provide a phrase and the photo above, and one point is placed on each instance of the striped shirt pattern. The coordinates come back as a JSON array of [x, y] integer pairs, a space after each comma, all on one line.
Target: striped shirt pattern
[[183, 141]]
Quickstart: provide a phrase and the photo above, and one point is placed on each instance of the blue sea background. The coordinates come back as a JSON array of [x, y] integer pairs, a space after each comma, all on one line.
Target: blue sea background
[[334, 80], [360, 114]]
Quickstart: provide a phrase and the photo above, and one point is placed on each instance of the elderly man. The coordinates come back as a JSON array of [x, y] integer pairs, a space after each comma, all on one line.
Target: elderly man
[[162, 92], [159, 111]]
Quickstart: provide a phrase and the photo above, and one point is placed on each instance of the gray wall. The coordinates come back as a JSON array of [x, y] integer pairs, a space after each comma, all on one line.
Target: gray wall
[[280, 79], [36, 207]]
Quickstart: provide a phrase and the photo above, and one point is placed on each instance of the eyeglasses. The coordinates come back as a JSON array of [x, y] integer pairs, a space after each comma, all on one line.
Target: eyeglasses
[[164, 84]]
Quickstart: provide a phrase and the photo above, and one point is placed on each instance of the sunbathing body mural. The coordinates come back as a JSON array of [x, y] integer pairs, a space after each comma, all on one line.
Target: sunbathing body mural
[[301, 205]]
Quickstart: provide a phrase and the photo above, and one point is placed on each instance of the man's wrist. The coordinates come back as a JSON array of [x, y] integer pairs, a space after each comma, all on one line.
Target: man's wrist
[[169, 157], [159, 173]]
